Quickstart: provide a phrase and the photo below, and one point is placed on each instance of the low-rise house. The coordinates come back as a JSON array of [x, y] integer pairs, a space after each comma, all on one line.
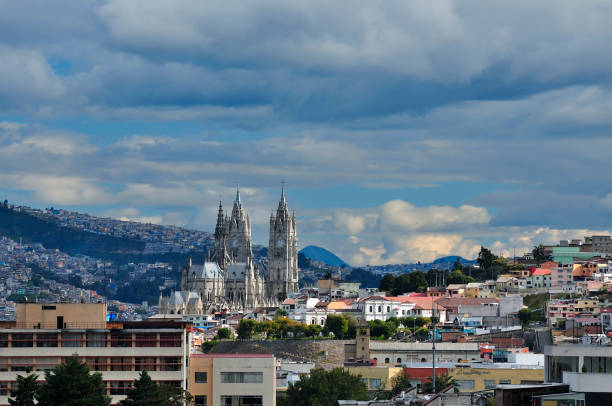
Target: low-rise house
[[383, 308], [455, 290], [507, 283], [540, 278]]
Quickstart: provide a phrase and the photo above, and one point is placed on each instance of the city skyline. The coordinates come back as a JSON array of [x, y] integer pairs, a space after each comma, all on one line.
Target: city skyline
[[404, 132]]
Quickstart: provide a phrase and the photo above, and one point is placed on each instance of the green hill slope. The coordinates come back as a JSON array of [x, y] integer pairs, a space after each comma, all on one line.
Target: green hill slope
[[32, 229]]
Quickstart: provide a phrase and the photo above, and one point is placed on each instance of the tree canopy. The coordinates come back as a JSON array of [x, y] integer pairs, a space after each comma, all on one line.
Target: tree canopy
[[72, 384], [25, 392], [443, 381], [408, 282], [325, 388], [337, 325]]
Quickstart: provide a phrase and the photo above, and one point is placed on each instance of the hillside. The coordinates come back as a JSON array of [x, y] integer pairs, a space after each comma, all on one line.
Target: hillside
[[31, 229], [322, 255]]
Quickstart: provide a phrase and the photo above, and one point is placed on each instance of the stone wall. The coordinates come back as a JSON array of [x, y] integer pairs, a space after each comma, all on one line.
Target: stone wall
[[324, 353]]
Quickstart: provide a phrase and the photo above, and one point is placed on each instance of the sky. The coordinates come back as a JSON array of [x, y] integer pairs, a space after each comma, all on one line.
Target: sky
[[405, 131]]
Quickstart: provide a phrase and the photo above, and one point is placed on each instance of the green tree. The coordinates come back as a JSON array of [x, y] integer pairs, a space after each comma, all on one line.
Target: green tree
[[145, 393], [539, 253], [387, 283], [485, 258], [313, 330], [224, 333], [524, 316], [352, 327], [325, 388], [206, 346], [458, 277], [337, 325], [400, 383], [382, 329], [71, 384], [25, 392], [174, 396], [246, 328], [458, 266], [279, 313], [421, 334], [418, 282], [443, 381]]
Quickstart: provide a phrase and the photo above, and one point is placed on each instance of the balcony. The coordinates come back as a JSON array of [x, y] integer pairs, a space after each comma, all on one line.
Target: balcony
[[588, 382]]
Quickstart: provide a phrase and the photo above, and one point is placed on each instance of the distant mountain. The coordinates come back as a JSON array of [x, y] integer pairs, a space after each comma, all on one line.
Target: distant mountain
[[322, 255], [451, 259]]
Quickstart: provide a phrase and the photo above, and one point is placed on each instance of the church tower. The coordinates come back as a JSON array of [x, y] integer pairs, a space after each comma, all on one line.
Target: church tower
[[220, 254], [282, 252], [239, 234]]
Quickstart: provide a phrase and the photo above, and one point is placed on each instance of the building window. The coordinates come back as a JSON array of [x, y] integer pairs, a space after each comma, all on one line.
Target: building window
[[466, 384], [200, 400], [22, 340], [119, 387], [371, 309], [96, 339], [71, 340], [121, 340], [145, 363], [489, 383], [4, 340], [399, 360], [241, 400], [4, 388], [241, 377], [170, 339], [379, 309], [387, 360], [171, 364], [146, 340], [44, 363], [201, 377], [375, 383], [388, 309], [505, 382], [46, 340], [557, 365]]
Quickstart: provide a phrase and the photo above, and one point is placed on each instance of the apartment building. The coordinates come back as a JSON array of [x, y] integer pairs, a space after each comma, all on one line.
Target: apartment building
[[585, 368], [233, 379], [46, 334]]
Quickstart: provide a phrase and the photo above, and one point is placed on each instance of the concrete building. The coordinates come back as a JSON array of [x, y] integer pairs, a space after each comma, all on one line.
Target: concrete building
[[585, 368], [233, 379], [401, 352], [45, 335], [376, 377], [477, 376]]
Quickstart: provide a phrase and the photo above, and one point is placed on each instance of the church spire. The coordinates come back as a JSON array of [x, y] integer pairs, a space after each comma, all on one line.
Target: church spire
[[238, 194], [283, 191]]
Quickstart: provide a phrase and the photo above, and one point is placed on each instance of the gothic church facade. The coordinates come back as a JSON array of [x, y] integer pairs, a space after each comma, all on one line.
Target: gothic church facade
[[231, 279]]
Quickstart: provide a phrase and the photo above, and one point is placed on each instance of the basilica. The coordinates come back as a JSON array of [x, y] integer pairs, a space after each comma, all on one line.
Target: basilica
[[231, 278]]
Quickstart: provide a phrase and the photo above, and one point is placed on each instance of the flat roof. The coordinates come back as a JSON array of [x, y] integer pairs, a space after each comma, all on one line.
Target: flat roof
[[232, 355]]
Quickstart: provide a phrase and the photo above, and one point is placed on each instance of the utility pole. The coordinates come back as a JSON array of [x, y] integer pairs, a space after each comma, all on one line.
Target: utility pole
[[433, 348]]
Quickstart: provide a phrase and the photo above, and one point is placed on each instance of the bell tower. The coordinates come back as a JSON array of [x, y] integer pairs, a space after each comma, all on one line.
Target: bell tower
[[239, 234], [282, 252]]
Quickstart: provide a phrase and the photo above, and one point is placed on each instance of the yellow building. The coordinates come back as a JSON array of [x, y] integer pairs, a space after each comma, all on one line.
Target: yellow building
[[232, 379], [61, 315], [587, 306], [376, 377], [472, 289], [475, 378]]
